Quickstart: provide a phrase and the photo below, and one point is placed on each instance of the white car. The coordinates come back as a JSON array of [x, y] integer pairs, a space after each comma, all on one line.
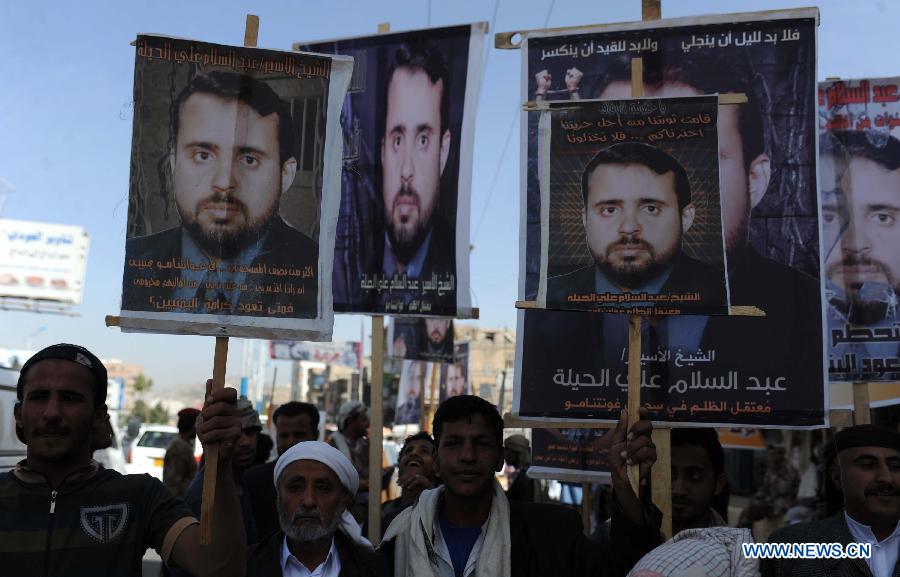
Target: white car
[[147, 452]]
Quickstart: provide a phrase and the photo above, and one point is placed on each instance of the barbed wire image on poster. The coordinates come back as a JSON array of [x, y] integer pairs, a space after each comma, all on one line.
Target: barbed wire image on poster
[[233, 190], [633, 220], [859, 178], [402, 242], [421, 338], [695, 369]]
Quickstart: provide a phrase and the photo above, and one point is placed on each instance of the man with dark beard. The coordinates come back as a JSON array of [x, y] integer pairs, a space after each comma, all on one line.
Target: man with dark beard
[[231, 160], [315, 483], [637, 207], [860, 177], [414, 151]]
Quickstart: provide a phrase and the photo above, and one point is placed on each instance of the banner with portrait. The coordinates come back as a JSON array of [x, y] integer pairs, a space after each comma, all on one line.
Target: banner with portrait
[[421, 339], [415, 376], [402, 243], [695, 370], [859, 178], [576, 455], [455, 374], [632, 219], [235, 179]]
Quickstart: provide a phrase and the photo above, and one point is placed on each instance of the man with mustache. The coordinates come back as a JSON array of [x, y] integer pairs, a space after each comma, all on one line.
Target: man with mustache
[[231, 160], [315, 483], [418, 240], [637, 207], [435, 339], [63, 514], [242, 459], [860, 178], [867, 470]]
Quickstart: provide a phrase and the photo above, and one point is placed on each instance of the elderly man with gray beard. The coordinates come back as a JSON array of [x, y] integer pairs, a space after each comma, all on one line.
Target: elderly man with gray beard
[[315, 483]]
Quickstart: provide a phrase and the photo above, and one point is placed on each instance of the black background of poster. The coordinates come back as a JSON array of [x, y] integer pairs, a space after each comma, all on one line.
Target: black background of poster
[[571, 450], [787, 344]]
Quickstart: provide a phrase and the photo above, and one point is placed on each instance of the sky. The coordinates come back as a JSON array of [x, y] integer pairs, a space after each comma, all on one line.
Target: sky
[[65, 131]]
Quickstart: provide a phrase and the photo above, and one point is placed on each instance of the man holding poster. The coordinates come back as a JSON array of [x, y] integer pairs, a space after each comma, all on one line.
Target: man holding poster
[[233, 158]]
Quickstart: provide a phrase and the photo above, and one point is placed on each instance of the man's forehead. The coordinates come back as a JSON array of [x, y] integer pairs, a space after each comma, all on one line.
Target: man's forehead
[[309, 469], [689, 455], [413, 98], [468, 426], [609, 181], [854, 453], [59, 373], [225, 112]]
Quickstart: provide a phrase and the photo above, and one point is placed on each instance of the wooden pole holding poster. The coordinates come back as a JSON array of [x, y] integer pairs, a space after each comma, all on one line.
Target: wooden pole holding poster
[[376, 411], [210, 475], [432, 394], [862, 413]]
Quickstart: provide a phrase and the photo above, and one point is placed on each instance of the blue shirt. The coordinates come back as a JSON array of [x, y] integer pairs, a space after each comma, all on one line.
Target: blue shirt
[[460, 541]]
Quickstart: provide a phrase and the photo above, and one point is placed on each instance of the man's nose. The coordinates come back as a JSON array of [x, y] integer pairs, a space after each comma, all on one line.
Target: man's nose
[[52, 408], [856, 236], [678, 487], [468, 452], [307, 497], [224, 178], [407, 170], [629, 224]]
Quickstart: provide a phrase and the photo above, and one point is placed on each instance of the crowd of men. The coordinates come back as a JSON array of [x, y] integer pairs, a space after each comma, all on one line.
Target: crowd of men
[[64, 514]]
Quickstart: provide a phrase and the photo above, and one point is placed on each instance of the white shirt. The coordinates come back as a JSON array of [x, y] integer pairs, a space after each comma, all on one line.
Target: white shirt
[[291, 567], [884, 553]]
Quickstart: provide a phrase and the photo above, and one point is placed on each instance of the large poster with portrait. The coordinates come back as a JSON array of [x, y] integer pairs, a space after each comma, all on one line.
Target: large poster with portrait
[[415, 376], [859, 178], [632, 220], [402, 243], [235, 175], [757, 371], [421, 338]]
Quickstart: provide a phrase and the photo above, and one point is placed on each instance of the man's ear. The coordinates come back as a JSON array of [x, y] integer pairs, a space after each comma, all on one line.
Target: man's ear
[[758, 176], [288, 172], [721, 483], [687, 217], [445, 149], [17, 415]]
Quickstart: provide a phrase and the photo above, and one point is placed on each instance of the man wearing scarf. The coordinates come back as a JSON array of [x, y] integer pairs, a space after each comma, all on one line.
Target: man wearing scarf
[[315, 483], [468, 527], [867, 469]]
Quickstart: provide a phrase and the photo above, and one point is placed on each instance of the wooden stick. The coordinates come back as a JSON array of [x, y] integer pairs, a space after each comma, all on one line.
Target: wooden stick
[[634, 390], [432, 406], [586, 507], [376, 420], [661, 476], [651, 9], [862, 414], [211, 468], [423, 414]]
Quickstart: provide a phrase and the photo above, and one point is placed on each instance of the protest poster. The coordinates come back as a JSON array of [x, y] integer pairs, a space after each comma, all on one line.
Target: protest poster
[[455, 374], [414, 377], [578, 455], [234, 190], [345, 354], [695, 370], [632, 218], [421, 339], [402, 243], [859, 179]]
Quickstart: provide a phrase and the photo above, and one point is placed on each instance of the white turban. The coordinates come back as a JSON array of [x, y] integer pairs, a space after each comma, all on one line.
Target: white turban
[[342, 467]]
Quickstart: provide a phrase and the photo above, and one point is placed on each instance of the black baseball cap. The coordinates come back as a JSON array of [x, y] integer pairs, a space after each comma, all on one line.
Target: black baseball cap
[[76, 354]]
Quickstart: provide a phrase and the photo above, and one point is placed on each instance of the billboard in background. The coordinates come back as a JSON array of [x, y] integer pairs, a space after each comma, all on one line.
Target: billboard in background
[[346, 354], [42, 261]]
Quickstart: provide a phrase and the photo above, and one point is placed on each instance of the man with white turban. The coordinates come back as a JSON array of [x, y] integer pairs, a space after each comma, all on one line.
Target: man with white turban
[[315, 483]]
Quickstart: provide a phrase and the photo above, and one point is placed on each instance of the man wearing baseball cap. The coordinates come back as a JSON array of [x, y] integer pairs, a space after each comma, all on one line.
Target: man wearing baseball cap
[[315, 483], [65, 515], [867, 469], [241, 460]]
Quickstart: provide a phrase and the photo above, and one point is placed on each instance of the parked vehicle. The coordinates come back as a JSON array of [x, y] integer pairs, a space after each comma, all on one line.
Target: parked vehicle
[[147, 452], [11, 449]]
